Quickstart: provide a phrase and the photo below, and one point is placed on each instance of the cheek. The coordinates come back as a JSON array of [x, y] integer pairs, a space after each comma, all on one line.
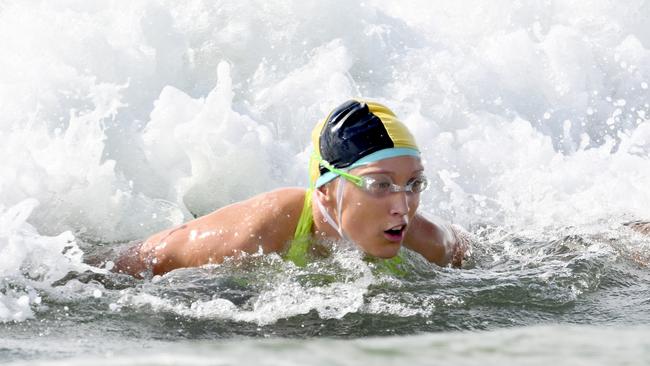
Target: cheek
[[414, 203], [363, 212], [366, 209]]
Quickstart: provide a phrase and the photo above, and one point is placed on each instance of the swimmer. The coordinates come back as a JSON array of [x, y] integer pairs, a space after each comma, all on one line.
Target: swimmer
[[366, 177]]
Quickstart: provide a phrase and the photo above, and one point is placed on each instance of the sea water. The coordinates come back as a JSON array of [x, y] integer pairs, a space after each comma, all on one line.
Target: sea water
[[119, 119]]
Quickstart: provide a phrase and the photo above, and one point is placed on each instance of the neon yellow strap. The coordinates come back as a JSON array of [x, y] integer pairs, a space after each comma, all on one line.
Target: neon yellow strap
[[300, 245], [352, 178]]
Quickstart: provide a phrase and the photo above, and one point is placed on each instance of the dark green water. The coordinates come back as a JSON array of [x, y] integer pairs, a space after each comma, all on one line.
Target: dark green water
[[514, 288]]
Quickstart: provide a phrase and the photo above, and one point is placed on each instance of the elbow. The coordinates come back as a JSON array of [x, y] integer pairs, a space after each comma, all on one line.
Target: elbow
[[130, 262], [146, 259]]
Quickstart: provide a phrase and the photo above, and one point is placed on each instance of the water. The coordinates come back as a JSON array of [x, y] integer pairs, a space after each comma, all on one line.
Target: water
[[119, 120]]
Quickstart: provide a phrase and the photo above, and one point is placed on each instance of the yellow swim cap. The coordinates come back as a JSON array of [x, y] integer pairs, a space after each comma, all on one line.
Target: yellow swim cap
[[356, 133]]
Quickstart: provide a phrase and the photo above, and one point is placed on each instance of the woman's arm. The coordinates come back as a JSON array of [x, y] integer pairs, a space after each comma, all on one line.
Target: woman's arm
[[265, 222], [437, 243]]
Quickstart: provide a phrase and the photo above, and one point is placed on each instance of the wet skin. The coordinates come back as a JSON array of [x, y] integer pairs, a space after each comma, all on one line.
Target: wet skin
[[268, 221], [366, 218]]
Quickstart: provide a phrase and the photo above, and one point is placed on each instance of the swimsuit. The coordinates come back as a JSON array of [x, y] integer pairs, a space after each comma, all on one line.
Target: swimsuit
[[302, 237]]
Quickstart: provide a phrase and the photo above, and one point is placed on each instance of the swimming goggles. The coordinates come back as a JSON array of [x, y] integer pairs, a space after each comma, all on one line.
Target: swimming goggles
[[379, 185]]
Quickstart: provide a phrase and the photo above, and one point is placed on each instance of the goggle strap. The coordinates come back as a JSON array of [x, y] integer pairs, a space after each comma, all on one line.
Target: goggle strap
[[339, 206], [329, 219], [358, 181]]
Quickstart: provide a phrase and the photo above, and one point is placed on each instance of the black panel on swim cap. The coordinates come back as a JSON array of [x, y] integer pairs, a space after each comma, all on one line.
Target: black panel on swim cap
[[350, 133]]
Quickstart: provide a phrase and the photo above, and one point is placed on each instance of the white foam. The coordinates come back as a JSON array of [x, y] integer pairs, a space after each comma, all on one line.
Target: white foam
[[30, 262], [220, 131], [283, 296], [124, 120]]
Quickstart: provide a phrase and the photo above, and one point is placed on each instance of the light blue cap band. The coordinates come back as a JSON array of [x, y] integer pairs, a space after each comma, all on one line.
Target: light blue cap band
[[392, 152]]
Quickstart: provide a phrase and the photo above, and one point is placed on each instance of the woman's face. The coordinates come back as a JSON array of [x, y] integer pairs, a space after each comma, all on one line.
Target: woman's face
[[378, 224]]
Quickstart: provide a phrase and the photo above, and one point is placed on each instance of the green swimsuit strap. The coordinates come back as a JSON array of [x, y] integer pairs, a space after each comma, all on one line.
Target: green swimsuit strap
[[300, 244]]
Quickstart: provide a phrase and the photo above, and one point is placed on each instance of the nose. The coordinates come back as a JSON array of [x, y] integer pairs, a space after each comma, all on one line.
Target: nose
[[399, 203]]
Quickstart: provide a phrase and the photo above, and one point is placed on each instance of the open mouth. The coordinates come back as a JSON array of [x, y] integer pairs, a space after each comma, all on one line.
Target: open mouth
[[395, 233]]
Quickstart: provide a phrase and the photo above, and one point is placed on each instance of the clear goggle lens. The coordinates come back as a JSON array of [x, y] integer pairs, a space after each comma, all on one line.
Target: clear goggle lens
[[378, 184], [381, 185]]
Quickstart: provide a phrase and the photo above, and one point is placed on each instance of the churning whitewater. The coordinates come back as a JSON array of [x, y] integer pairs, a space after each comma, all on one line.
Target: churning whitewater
[[122, 119]]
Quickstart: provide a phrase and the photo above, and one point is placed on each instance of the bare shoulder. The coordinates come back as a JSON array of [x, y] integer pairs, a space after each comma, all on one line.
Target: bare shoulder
[[266, 220], [278, 201], [439, 243], [277, 215], [428, 239]]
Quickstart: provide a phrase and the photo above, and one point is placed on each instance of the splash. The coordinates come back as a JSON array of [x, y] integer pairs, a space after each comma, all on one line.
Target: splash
[[124, 119], [279, 290], [30, 262]]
